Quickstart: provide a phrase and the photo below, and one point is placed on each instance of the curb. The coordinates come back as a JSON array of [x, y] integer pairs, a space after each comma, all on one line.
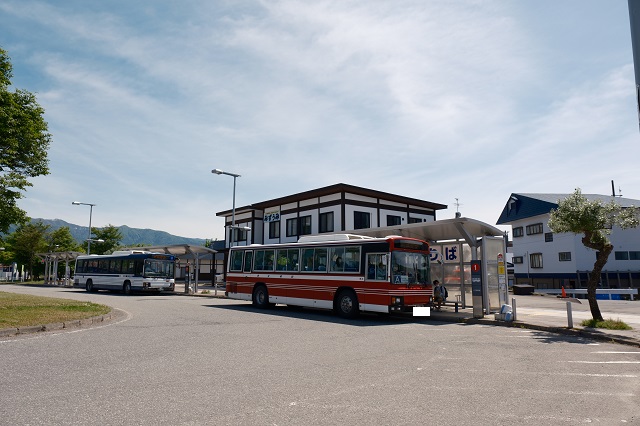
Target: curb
[[578, 332], [73, 324]]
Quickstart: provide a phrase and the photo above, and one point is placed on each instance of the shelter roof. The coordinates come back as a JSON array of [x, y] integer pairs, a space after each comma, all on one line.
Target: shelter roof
[[440, 230], [60, 255], [177, 249]]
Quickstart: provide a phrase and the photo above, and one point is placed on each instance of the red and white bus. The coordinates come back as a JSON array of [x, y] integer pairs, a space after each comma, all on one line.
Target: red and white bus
[[344, 272]]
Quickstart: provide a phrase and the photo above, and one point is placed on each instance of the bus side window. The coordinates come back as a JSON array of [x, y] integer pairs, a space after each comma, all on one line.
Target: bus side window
[[247, 261], [236, 260], [321, 259], [282, 262], [307, 260], [371, 271], [137, 268]]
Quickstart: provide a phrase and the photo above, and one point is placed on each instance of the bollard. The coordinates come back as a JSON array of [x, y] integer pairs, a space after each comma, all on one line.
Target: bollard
[[456, 306], [569, 315], [513, 306]]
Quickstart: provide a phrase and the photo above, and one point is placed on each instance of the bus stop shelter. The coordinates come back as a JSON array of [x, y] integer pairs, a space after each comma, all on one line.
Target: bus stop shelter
[[52, 260], [455, 243]]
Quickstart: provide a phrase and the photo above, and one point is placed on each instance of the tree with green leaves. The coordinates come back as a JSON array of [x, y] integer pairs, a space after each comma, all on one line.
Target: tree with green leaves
[[28, 240], [62, 240], [24, 140], [594, 220], [110, 236]]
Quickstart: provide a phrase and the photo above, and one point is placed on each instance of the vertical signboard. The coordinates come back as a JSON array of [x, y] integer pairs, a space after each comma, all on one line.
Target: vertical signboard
[[476, 288], [502, 280]]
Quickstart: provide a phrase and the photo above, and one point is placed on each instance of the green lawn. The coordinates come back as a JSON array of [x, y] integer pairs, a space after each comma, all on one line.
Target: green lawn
[[20, 310]]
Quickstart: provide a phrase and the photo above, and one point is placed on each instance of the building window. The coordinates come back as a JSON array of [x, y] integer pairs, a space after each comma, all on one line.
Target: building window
[[534, 229], [326, 222], [305, 225], [518, 259], [274, 229], [518, 232], [622, 255], [548, 237], [564, 256], [361, 220], [415, 220], [393, 220], [535, 260], [634, 255], [238, 235], [292, 227]]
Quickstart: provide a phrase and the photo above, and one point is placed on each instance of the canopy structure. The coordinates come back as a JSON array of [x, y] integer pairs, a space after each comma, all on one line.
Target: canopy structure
[[52, 260], [177, 249], [458, 228]]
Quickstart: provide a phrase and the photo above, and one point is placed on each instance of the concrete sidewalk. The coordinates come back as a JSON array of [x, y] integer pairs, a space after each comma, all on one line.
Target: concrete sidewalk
[[549, 313]]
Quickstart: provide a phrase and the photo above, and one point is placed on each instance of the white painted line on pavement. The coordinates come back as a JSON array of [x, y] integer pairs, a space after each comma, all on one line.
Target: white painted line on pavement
[[615, 352], [625, 376], [603, 362]]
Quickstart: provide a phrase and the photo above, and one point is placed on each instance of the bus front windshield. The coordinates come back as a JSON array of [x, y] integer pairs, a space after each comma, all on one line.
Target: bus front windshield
[[409, 268], [154, 268]]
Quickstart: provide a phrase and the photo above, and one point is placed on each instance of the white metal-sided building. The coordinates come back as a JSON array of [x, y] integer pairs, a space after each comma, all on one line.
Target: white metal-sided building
[[551, 261]]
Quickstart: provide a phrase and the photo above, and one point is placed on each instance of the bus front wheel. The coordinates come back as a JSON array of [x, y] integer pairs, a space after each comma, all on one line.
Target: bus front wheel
[[89, 286], [260, 297], [347, 304], [126, 288]]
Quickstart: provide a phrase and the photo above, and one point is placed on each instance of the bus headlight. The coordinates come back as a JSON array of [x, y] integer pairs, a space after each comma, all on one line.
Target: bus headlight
[[397, 300]]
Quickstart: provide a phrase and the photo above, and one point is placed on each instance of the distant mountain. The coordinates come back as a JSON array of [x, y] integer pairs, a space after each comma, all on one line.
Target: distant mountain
[[130, 236]]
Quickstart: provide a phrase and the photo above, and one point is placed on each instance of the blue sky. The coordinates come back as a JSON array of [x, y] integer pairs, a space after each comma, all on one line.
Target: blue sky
[[431, 99]]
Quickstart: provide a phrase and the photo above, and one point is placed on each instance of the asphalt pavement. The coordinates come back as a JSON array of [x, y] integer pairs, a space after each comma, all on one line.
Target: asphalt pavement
[[540, 312], [536, 311]]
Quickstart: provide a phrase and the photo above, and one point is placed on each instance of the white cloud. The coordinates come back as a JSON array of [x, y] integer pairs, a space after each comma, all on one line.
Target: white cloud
[[433, 100]]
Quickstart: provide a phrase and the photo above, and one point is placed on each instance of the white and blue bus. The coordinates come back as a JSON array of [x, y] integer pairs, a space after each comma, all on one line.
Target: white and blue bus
[[126, 271]]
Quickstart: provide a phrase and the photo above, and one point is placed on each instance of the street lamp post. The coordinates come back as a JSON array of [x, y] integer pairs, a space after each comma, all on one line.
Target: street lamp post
[[78, 203], [233, 209]]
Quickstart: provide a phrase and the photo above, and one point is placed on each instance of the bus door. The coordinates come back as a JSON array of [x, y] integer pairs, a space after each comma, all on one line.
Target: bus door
[[377, 276]]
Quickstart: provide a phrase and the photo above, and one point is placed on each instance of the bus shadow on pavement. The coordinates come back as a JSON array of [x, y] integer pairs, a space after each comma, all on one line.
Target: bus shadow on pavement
[[311, 314]]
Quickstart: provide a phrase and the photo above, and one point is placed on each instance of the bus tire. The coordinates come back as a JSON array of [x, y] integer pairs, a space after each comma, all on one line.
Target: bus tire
[[89, 286], [346, 304], [260, 297], [126, 287]]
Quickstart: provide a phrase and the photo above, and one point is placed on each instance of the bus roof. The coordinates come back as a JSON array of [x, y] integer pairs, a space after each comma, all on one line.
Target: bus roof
[[126, 253], [351, 239], [332, 237]]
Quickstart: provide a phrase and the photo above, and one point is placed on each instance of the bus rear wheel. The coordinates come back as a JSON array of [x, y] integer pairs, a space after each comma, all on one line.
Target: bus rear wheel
[[260, 297], [346, 304], [126, 288], [89, 286]]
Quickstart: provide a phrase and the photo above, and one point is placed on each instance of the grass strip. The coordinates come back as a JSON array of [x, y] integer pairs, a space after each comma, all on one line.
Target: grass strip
[[21, 310], [609, 324]]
